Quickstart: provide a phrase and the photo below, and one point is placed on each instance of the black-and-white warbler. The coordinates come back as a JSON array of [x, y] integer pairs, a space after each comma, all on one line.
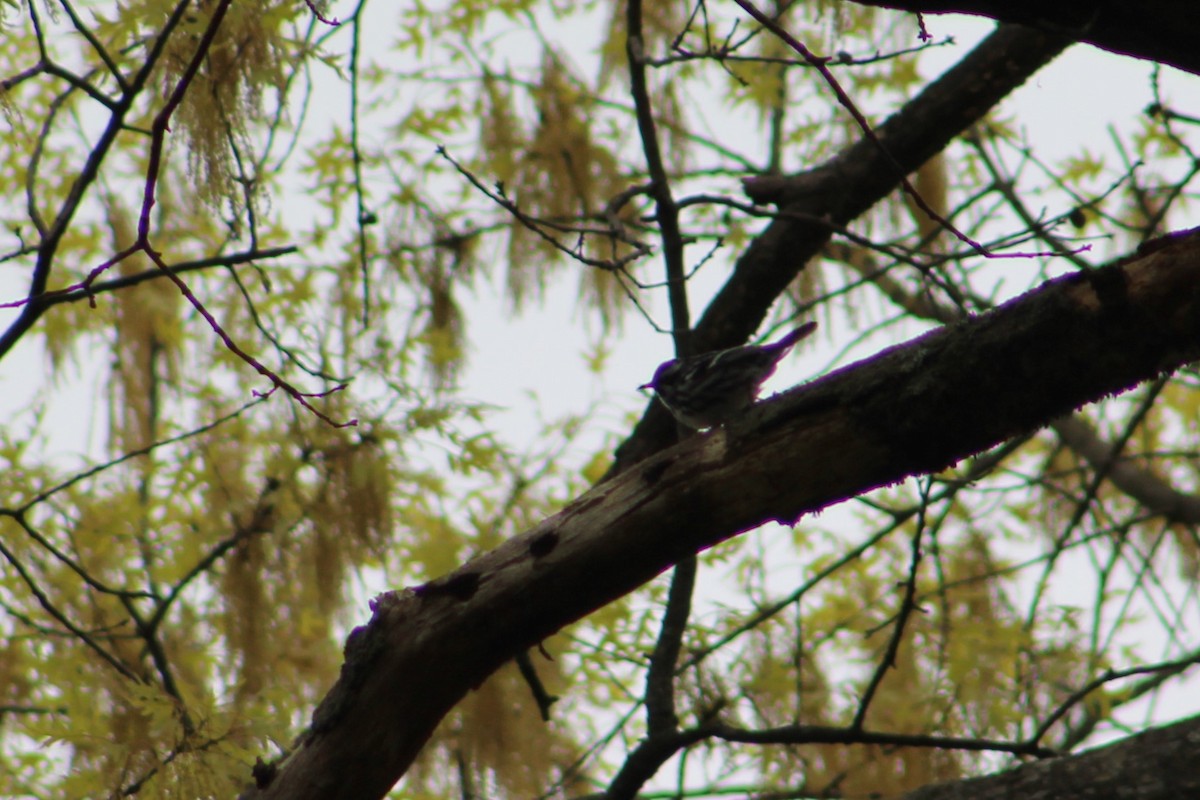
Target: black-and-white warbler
[[709, 389]]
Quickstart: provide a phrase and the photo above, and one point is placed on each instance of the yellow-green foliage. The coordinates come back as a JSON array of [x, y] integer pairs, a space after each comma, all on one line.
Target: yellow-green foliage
[[184, 545]]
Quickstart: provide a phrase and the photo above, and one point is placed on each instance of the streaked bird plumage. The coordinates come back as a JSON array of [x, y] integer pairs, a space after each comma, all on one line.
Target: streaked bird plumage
[[709, 389]]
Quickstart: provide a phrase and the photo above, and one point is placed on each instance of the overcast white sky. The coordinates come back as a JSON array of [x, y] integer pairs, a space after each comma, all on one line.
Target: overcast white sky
[[531, 365], [513, 356]]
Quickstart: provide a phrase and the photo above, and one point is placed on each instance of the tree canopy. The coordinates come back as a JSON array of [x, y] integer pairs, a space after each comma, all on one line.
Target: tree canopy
[[266, 529]]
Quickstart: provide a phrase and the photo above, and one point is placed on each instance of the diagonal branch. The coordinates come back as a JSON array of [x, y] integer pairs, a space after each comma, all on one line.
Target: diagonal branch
[[48, 247], [913, 409]]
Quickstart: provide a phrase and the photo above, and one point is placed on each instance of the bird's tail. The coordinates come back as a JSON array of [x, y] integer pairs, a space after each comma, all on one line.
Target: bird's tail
[[796, 335]]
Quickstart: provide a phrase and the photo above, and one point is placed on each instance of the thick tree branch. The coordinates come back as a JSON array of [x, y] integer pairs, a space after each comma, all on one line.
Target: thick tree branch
[[1165, 31], [912, 409], [1159, 764], [1140, 483]]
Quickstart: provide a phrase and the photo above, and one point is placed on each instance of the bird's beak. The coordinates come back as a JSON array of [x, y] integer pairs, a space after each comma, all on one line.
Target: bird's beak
[[646, 386]]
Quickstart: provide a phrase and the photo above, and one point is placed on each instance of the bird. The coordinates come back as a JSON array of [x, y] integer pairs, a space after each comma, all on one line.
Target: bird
[[710, 389]]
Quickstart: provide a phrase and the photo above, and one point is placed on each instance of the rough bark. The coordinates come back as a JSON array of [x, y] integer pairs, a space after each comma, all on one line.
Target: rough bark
[[912, 409], [1165, 31], [1158, 764]]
